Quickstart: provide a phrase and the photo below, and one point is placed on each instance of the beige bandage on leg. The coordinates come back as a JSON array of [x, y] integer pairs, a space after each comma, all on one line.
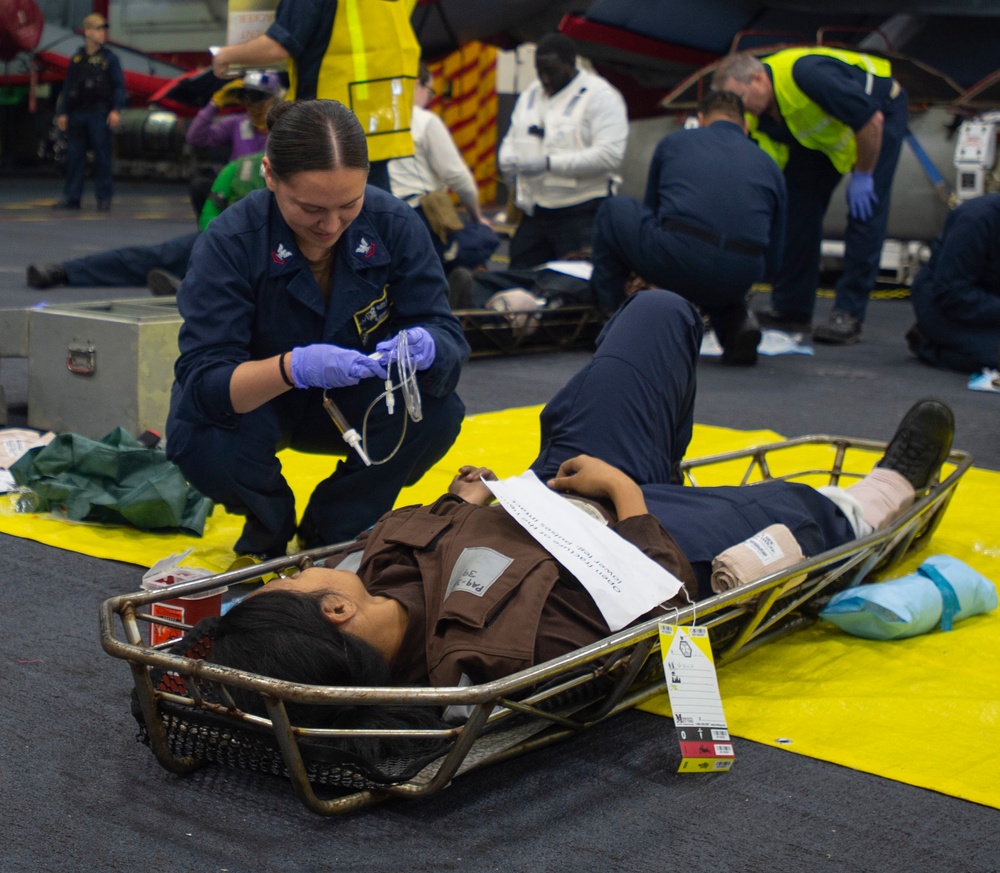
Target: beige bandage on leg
[[874, 501], [883, 494], [774, 548]]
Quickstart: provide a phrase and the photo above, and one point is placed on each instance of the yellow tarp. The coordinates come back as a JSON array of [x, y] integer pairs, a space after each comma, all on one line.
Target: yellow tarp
[[507, 441], [924, 711]]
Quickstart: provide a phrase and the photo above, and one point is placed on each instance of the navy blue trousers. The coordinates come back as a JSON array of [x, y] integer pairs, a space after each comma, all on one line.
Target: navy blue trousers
[[238, 466], [948, 343], [378, 175], [628, 237], [551, 234], [632, 406], [129, 266], [811, 179], [88, 130]]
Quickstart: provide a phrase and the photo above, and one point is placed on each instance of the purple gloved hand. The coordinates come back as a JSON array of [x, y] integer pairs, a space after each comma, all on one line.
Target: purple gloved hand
[[323, 365], [861, 197], [421, 345]]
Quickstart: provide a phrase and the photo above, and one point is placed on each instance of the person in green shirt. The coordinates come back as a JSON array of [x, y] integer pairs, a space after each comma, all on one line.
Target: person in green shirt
[[237, 179]]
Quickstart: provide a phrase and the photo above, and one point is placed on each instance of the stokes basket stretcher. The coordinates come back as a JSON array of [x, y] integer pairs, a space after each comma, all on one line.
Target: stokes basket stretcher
[[188, 717]]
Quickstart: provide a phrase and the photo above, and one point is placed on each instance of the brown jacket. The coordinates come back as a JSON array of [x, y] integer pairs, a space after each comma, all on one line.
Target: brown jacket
[[493, 599]]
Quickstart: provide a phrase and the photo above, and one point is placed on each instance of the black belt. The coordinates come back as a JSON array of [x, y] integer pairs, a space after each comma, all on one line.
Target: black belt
[[715, 239]]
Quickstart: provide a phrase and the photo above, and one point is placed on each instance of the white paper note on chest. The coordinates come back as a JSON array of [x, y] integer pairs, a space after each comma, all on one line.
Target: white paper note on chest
[[623, 581]]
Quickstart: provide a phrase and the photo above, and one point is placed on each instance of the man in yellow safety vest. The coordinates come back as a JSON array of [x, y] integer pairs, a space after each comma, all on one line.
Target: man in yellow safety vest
[[821, 113], [361, 52]]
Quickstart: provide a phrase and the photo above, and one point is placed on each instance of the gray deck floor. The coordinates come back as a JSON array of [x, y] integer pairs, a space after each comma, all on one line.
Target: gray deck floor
[[78, 794]]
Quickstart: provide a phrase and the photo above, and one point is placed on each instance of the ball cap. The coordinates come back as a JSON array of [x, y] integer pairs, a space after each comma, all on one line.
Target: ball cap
[[264, 81]]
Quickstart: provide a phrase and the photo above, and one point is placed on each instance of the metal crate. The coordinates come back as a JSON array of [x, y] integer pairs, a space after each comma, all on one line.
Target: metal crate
[[99, 365], [191, 719]]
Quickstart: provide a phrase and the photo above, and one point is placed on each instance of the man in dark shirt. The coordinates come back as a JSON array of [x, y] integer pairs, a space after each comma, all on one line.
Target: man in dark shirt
[[711, 225], [956, 296], [821, 113], [88, 110]]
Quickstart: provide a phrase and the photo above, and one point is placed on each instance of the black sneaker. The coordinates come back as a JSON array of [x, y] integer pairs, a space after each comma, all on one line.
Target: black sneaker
[[103, 205], [739, 340], [46, 275], [162, 282], [66, 204], [841, 329], [921, 442], [771, 319]]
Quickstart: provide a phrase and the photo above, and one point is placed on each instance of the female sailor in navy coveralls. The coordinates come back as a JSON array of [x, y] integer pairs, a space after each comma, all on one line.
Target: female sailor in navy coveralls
[[288, 294]]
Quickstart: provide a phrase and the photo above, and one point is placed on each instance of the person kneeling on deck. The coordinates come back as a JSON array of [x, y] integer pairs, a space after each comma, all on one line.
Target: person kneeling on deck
[[297, 301]]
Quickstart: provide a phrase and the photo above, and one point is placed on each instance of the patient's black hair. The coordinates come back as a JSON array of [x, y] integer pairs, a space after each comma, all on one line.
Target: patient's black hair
[[285, 635]]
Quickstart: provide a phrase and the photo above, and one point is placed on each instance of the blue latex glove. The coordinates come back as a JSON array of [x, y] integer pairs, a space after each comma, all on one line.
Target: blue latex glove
[[421, 345], [861, 197], [323, 365], [532, 166]]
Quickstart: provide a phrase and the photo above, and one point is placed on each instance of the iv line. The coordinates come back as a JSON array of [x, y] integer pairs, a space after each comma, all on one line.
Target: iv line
[[411, 397]]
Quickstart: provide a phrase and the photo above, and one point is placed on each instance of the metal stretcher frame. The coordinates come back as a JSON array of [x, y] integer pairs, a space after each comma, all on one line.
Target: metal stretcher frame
[[490, 332], [541, 704]]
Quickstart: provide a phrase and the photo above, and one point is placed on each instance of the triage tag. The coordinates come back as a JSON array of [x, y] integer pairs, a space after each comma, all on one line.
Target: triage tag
[[694, 699]]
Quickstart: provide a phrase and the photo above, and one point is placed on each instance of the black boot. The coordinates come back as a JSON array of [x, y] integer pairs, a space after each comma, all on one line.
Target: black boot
[[771, 319], [739, 335], [921, 442], [46, 275], [259, 542], [841, 329]]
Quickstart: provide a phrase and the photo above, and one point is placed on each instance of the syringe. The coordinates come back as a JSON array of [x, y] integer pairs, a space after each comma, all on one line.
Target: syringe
[[351, 436]]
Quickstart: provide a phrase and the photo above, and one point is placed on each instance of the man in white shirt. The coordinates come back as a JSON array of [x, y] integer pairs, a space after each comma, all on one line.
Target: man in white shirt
[[436, 165], [562, 152]]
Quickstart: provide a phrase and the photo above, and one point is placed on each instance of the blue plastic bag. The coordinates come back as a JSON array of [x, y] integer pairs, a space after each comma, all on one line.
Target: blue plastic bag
[[942, 590]]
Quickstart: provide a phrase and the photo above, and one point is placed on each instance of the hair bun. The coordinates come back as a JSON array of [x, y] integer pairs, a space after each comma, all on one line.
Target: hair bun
[[277, 112]]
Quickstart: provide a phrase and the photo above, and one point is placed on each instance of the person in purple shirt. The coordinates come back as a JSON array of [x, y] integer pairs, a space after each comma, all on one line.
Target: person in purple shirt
[[245, 133]]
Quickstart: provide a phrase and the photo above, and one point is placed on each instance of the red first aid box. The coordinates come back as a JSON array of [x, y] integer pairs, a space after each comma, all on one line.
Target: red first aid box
[[187, 610]]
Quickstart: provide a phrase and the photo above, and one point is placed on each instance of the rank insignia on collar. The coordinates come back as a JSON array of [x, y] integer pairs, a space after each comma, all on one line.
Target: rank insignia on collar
[[365, 248], [280, 254]]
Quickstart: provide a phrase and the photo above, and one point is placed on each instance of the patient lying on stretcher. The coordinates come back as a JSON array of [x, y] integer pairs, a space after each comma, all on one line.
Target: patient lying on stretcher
[[458, 591]]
